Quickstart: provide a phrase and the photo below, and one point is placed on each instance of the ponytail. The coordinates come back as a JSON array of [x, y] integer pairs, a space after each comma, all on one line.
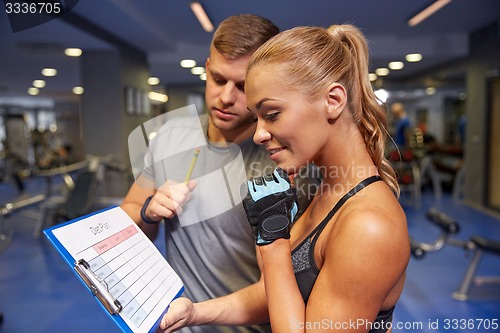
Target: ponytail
[[368, 114]]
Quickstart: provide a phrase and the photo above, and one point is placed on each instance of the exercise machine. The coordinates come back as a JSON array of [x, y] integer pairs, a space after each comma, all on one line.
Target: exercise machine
[[478, 245], [13, 207]]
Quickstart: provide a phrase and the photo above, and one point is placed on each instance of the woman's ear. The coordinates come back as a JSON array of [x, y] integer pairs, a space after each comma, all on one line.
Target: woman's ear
[[336, 101]]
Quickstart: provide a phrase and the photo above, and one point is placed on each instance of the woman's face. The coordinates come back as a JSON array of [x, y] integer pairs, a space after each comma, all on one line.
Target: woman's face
[[293, 129]]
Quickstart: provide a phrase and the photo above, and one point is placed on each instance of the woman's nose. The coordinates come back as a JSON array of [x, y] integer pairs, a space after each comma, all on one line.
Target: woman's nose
[[261, 135]]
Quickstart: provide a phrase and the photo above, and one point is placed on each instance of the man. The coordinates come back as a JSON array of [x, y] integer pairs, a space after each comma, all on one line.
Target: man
[[402, 126], [214, 256]]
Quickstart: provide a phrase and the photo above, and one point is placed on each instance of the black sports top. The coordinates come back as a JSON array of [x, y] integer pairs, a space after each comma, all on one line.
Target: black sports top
[[306, 270]]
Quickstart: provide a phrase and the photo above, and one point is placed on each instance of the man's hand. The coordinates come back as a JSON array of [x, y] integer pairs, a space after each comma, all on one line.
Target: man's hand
[[169, 199], [270, 203]]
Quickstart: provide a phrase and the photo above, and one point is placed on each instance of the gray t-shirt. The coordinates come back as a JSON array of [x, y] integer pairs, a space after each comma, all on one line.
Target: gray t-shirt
[[210, 245]]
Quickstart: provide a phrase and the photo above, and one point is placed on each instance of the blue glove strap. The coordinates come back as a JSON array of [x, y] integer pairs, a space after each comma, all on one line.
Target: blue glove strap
[[278, 185]]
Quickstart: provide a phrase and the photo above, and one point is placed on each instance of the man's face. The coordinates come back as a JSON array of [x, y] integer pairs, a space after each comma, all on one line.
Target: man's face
[[225, 94]]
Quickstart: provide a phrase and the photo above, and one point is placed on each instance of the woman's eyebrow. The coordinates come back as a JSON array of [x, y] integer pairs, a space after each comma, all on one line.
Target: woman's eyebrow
[[262, 101]]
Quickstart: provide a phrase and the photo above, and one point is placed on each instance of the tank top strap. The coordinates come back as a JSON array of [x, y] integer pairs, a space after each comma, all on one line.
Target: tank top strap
[[364, 183]]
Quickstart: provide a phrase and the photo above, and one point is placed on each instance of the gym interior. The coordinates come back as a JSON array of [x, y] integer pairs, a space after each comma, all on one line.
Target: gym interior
[[66, 154]]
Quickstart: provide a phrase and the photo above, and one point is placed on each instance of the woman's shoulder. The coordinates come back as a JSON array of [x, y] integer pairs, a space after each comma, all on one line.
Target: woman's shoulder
[[373, 217]]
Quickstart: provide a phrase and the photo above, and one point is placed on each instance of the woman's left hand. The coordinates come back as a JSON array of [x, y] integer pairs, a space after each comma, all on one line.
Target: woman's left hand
[[178, 315]]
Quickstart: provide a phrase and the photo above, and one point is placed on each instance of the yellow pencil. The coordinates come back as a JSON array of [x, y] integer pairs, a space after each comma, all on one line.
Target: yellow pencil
[[191, 167]]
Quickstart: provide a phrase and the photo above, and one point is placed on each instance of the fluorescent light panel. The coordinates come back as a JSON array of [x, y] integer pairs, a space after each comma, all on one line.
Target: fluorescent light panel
[[49, 72], [78, 90], [202, 17], [39, 84], [159, 97], [382, 71], [188, 63], [153, 81], [396, 65], [197, 70], [73, 52], [437, 5], [33, 91], [413, 57]]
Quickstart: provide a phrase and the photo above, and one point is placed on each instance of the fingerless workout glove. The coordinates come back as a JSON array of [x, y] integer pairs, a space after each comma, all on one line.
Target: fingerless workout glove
[[270, 203]]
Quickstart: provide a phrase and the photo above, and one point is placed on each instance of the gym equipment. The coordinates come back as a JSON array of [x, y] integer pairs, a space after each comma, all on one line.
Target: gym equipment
[[76, 197], [477, 244], [409, 175], [415, 249], [82, 193], [10, 208]]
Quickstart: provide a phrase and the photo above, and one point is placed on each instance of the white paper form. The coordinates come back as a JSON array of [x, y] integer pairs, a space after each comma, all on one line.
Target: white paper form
[[126, 261]]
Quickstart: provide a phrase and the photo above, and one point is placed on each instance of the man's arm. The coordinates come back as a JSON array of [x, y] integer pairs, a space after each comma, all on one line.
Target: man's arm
[[132, 205], [166, 202]]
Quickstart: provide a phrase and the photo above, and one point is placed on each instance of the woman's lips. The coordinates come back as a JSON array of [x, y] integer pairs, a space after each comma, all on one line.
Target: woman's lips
[[274, 151]]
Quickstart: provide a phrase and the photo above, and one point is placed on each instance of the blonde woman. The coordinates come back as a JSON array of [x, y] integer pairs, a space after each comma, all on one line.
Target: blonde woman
[[342, 265]]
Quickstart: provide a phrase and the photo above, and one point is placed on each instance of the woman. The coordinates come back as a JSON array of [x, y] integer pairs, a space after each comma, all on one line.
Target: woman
[[343, 266]]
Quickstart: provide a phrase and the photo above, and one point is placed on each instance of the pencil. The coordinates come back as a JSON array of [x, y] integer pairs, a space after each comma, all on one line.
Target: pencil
[[191, 167]]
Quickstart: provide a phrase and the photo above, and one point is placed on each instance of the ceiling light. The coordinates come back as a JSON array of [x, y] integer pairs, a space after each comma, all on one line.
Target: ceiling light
[[430, 90], [434, 7], [203, 76], [372, 76], [396, 65], [188, 63], [39, 84], [202, 17], [49, 72], [382, 95], [73, 52], [153, 81], [158, 97], [413, 57], [78, 90], [382, 71], [33, 91], [197, 70]]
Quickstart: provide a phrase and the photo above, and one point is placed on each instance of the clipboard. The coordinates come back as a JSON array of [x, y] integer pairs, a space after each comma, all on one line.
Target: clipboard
[[127, 275]]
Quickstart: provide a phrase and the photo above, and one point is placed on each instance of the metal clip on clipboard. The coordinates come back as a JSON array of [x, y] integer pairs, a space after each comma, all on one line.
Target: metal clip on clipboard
[[98, 288]]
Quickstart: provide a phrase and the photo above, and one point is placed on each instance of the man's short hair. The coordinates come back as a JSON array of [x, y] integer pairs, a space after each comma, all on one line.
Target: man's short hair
[[242, 34]]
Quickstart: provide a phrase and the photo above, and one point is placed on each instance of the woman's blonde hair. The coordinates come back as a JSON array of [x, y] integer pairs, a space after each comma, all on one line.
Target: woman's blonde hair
[[313, 58]]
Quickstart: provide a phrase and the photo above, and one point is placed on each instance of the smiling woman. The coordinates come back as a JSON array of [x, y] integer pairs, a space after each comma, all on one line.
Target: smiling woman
[[309, 89]]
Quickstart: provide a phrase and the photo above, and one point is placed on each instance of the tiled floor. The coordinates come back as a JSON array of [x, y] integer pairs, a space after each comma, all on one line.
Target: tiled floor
[[39, 293]]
